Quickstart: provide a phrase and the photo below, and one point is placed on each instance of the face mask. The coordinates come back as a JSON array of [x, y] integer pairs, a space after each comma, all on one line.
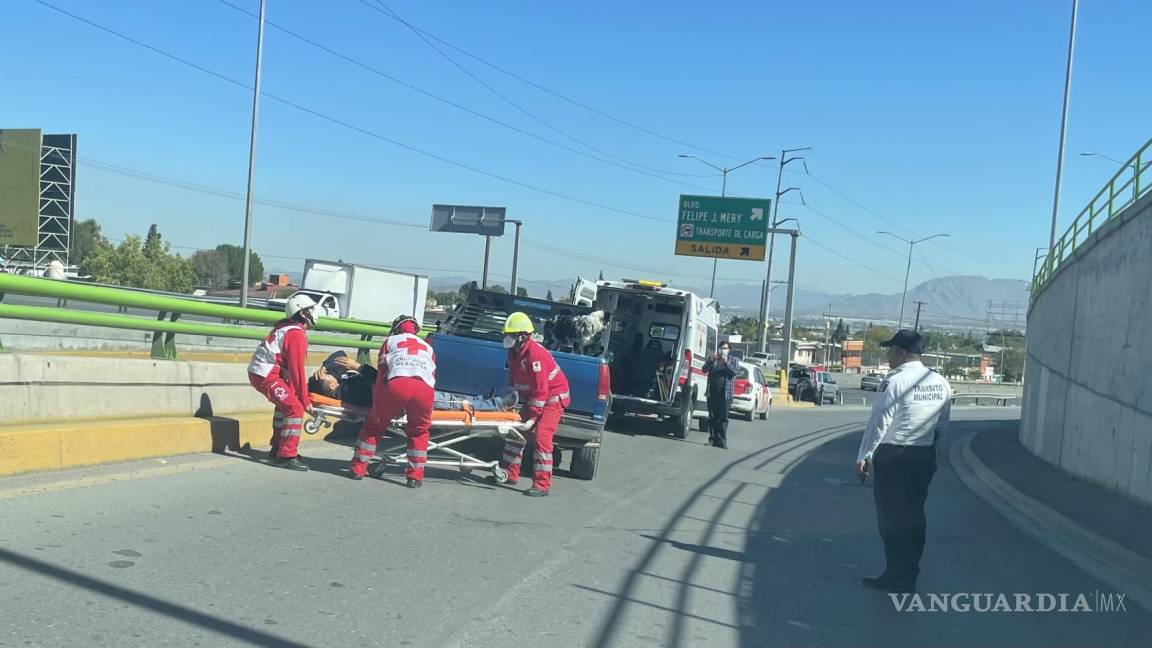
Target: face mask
[[509, 341], [724, 353]]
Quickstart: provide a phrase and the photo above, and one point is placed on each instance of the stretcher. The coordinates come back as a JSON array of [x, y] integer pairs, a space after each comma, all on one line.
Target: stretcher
[[449, 428]]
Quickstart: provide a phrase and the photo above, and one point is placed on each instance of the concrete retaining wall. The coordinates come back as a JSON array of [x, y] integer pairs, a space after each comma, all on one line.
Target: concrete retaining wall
[[1087, 390], [53, 388]]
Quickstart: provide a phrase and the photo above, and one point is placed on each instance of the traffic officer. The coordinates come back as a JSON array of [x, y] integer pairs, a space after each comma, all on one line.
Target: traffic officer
[[721, 369], [543, 390], [900, 445], [405, 384], [277, 371]]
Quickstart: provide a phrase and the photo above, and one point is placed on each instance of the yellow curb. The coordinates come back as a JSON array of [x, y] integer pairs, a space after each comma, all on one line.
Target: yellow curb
[[55, 446], [785, 400]]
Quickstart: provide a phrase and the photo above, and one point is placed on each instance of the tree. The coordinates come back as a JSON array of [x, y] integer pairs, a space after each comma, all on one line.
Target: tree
[[141, 264], [465, 288], [549, 296], [211, 268], [86, 236], [521, 292], [841, 333], [235, 256], [873, 354], [496, 288]]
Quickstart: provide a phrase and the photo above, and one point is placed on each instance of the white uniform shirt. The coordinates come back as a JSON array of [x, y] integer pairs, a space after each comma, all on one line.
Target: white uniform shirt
[[912, 411], [408, 355]]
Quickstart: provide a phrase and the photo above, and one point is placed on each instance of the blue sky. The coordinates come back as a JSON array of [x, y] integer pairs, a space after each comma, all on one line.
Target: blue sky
[[929, 117]]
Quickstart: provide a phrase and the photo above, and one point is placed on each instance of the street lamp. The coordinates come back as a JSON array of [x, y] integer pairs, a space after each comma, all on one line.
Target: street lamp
[[911, 243], [1107, 157], [765, 297], [724, 171]]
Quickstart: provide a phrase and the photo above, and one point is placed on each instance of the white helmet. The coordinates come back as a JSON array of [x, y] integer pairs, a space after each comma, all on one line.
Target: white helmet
[[300, 304]]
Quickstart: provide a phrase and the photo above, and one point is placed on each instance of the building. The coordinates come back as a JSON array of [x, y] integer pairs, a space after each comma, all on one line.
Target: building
[[851, 352], [279, 280]]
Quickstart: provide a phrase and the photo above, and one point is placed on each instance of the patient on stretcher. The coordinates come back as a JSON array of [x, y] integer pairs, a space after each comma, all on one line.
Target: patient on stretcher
[[343, 378]]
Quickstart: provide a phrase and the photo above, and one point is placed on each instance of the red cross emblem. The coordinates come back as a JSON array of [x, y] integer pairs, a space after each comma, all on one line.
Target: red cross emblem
[[413, 346]]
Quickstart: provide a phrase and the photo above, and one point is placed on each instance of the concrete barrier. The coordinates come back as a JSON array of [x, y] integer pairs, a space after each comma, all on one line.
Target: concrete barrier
[[45, 388], [1087, 404]]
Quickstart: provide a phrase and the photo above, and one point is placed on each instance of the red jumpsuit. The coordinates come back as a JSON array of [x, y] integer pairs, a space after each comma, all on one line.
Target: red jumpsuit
[[277, 371], [543, 390], [405, 384]]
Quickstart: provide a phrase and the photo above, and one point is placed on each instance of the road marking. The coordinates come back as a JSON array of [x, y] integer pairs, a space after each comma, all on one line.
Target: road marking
[[1099, 557]]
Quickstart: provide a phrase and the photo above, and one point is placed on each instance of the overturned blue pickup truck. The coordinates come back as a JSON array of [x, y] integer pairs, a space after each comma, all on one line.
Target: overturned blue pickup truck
[[470, 359]]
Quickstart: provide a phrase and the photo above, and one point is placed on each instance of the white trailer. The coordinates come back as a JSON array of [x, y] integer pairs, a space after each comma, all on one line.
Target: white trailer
[[367, 293]]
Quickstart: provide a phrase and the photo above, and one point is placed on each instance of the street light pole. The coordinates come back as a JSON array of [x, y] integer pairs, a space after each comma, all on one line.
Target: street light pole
[[252, 161], [1063, 124], [724, 171], [908, 270]]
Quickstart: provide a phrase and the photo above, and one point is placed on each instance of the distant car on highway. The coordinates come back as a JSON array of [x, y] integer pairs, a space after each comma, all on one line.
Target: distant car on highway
[[808, 384], [751, 395], [766, 361], [872, 381]]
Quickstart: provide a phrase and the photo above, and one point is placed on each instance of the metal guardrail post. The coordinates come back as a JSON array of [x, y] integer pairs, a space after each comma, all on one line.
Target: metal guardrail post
[[164, 342]]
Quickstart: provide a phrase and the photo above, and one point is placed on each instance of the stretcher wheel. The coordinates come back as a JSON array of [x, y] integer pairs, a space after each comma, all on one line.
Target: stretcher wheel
[[376, 470], [500, 474], [313, 426]]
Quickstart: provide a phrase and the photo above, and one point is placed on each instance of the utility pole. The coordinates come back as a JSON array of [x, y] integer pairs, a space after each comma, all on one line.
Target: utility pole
[[766, 295], [786, 353], [919, 304], [252, 162]]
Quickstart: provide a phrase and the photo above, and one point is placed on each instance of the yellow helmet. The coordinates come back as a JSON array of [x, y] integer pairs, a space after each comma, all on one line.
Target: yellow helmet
[[518, 323]]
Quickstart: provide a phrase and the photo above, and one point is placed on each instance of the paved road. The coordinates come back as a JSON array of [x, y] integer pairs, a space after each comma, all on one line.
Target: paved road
[[675, 544]]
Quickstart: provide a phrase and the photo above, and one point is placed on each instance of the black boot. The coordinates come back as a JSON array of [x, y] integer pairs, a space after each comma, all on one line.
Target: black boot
[[415, 483], [535, 492], [292, 463]]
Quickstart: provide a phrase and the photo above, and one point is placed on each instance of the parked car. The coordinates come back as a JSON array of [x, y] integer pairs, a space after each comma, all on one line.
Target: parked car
[[872, 381], [751, 395], [769, 362], [807, 384]]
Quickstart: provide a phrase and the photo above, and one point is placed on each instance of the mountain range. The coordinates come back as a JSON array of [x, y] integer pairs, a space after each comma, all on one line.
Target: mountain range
[[960, 300]]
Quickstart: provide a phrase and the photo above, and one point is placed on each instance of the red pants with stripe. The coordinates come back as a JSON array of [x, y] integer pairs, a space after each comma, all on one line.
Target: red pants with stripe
[[545, 430], [390, 399], [289, 417]]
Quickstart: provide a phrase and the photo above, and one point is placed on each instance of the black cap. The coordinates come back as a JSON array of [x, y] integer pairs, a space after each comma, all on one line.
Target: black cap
[[910, 341]]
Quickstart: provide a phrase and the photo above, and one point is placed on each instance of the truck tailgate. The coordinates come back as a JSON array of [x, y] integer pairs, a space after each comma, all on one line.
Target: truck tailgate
[[471, 366]]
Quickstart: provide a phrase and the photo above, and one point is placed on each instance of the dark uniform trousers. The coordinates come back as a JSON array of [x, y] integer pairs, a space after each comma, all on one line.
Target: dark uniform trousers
[[718, 406], [902, 475]]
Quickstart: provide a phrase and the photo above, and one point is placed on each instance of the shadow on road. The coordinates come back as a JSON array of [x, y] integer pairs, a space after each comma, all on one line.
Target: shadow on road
[[150, 603], [718, 487]]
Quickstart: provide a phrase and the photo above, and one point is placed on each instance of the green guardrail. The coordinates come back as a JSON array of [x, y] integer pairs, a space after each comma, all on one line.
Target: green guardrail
[[169, 309], [1129, 185]]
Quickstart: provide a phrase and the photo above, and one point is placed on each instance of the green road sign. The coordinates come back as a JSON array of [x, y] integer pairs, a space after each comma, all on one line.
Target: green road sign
[[723, 228]]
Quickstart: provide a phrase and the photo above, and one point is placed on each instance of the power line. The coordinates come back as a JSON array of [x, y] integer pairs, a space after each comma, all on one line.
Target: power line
[[898, 225], [544, 89], [359, 129], [468, 110], [851, 260], [503, 97]]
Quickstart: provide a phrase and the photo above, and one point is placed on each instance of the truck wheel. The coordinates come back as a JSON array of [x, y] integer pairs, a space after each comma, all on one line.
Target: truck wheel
[[584, 462], [702, 424], [683, 422]]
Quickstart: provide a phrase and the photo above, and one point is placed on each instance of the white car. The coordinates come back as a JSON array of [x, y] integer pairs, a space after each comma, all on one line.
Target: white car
[[751, 395]]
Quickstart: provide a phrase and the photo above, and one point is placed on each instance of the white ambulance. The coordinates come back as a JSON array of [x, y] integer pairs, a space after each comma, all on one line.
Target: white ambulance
[[656, 341]]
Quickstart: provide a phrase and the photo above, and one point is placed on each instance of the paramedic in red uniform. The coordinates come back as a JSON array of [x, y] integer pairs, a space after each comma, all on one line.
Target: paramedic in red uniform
[[543, 390], [277, 371], [405, 384]]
